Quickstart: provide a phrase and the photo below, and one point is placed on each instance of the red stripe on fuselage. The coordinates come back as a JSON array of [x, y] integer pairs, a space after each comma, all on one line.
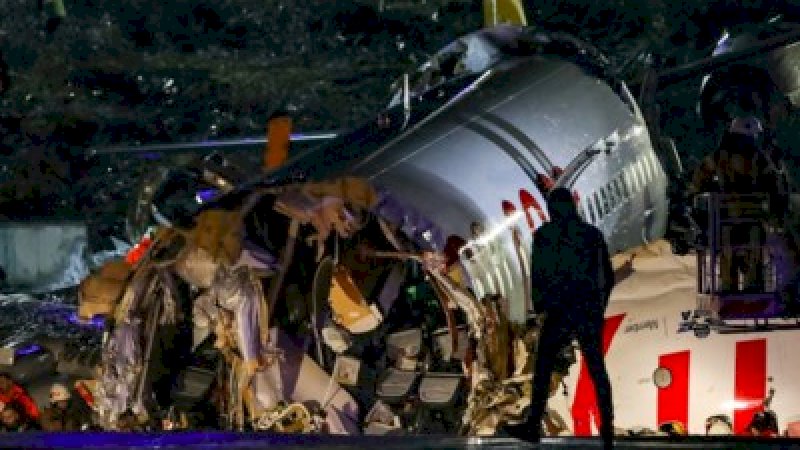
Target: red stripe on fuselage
[[584, 406], [750, 381], [673, 400], [529, 201]]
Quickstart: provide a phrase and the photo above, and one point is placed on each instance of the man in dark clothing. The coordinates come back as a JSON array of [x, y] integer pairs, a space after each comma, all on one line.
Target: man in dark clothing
[[572, 278], [76, 413]]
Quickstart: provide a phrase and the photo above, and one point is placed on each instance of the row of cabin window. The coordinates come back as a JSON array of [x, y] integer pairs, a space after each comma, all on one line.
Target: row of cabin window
[[620, 188]]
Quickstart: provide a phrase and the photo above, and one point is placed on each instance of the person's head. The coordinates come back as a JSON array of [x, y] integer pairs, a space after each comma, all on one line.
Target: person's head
[[561, 204], [6, 382], [59, 395], [743, 133], [11, 416]]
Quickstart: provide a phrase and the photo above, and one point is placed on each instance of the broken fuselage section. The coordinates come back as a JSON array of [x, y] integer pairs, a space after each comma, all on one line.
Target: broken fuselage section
[[325, 315], [379, 283]]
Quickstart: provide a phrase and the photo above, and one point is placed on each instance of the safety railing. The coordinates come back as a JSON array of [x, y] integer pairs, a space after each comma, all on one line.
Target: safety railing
[[737, 274]]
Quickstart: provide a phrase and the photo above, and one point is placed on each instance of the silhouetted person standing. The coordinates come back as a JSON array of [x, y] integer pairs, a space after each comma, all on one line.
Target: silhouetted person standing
[[572, 280]]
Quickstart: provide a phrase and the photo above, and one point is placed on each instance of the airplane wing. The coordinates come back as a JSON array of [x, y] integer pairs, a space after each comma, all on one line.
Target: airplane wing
[[210, 145]]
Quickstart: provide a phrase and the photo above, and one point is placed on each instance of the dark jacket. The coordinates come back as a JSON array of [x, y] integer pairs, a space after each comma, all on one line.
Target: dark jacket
[[571, 268], [78, 415], [737, 166]]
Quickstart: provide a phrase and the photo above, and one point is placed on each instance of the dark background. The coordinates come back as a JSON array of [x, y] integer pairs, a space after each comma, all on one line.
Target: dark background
[[144, 71]]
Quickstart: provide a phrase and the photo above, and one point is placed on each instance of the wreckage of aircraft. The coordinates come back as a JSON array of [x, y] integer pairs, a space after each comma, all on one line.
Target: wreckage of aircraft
[[378, 283]]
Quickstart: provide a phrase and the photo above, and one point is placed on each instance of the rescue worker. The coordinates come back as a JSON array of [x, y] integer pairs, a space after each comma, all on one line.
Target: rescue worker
[[739, 166], [76, 413], [12, 394], [571, 278], [14, 419]]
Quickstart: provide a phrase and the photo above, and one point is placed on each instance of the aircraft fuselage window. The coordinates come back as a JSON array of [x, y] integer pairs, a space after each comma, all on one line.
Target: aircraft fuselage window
[[609, 197], [642, 173], [615, 184], [599, 205], [606, 202], [616, 199], [650, 167], [637, 177], [613, 189], [647, 169], [590, 209], [626, 193], [630, 180], [654, 164]]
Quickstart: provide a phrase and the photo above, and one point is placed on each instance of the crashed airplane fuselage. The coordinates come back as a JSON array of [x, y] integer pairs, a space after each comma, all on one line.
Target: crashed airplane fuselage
[[380, 282]]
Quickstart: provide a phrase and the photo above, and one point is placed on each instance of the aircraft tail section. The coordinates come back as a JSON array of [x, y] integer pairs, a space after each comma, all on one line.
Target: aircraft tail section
[[496, 12], [279, 132]]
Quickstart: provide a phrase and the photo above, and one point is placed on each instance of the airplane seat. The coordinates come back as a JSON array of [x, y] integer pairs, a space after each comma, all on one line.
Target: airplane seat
[[395, 385], [194, 383], [404, 349], [442, 395], [444, 356], [381, 421], [441, 388]]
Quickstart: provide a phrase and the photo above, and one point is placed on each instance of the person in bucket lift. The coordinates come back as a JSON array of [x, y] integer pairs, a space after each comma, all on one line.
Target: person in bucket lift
[[740, 166]]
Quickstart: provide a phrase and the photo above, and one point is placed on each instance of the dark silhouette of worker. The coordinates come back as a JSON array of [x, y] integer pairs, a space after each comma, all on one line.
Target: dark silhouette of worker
[[572, 278], [741, 164]]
